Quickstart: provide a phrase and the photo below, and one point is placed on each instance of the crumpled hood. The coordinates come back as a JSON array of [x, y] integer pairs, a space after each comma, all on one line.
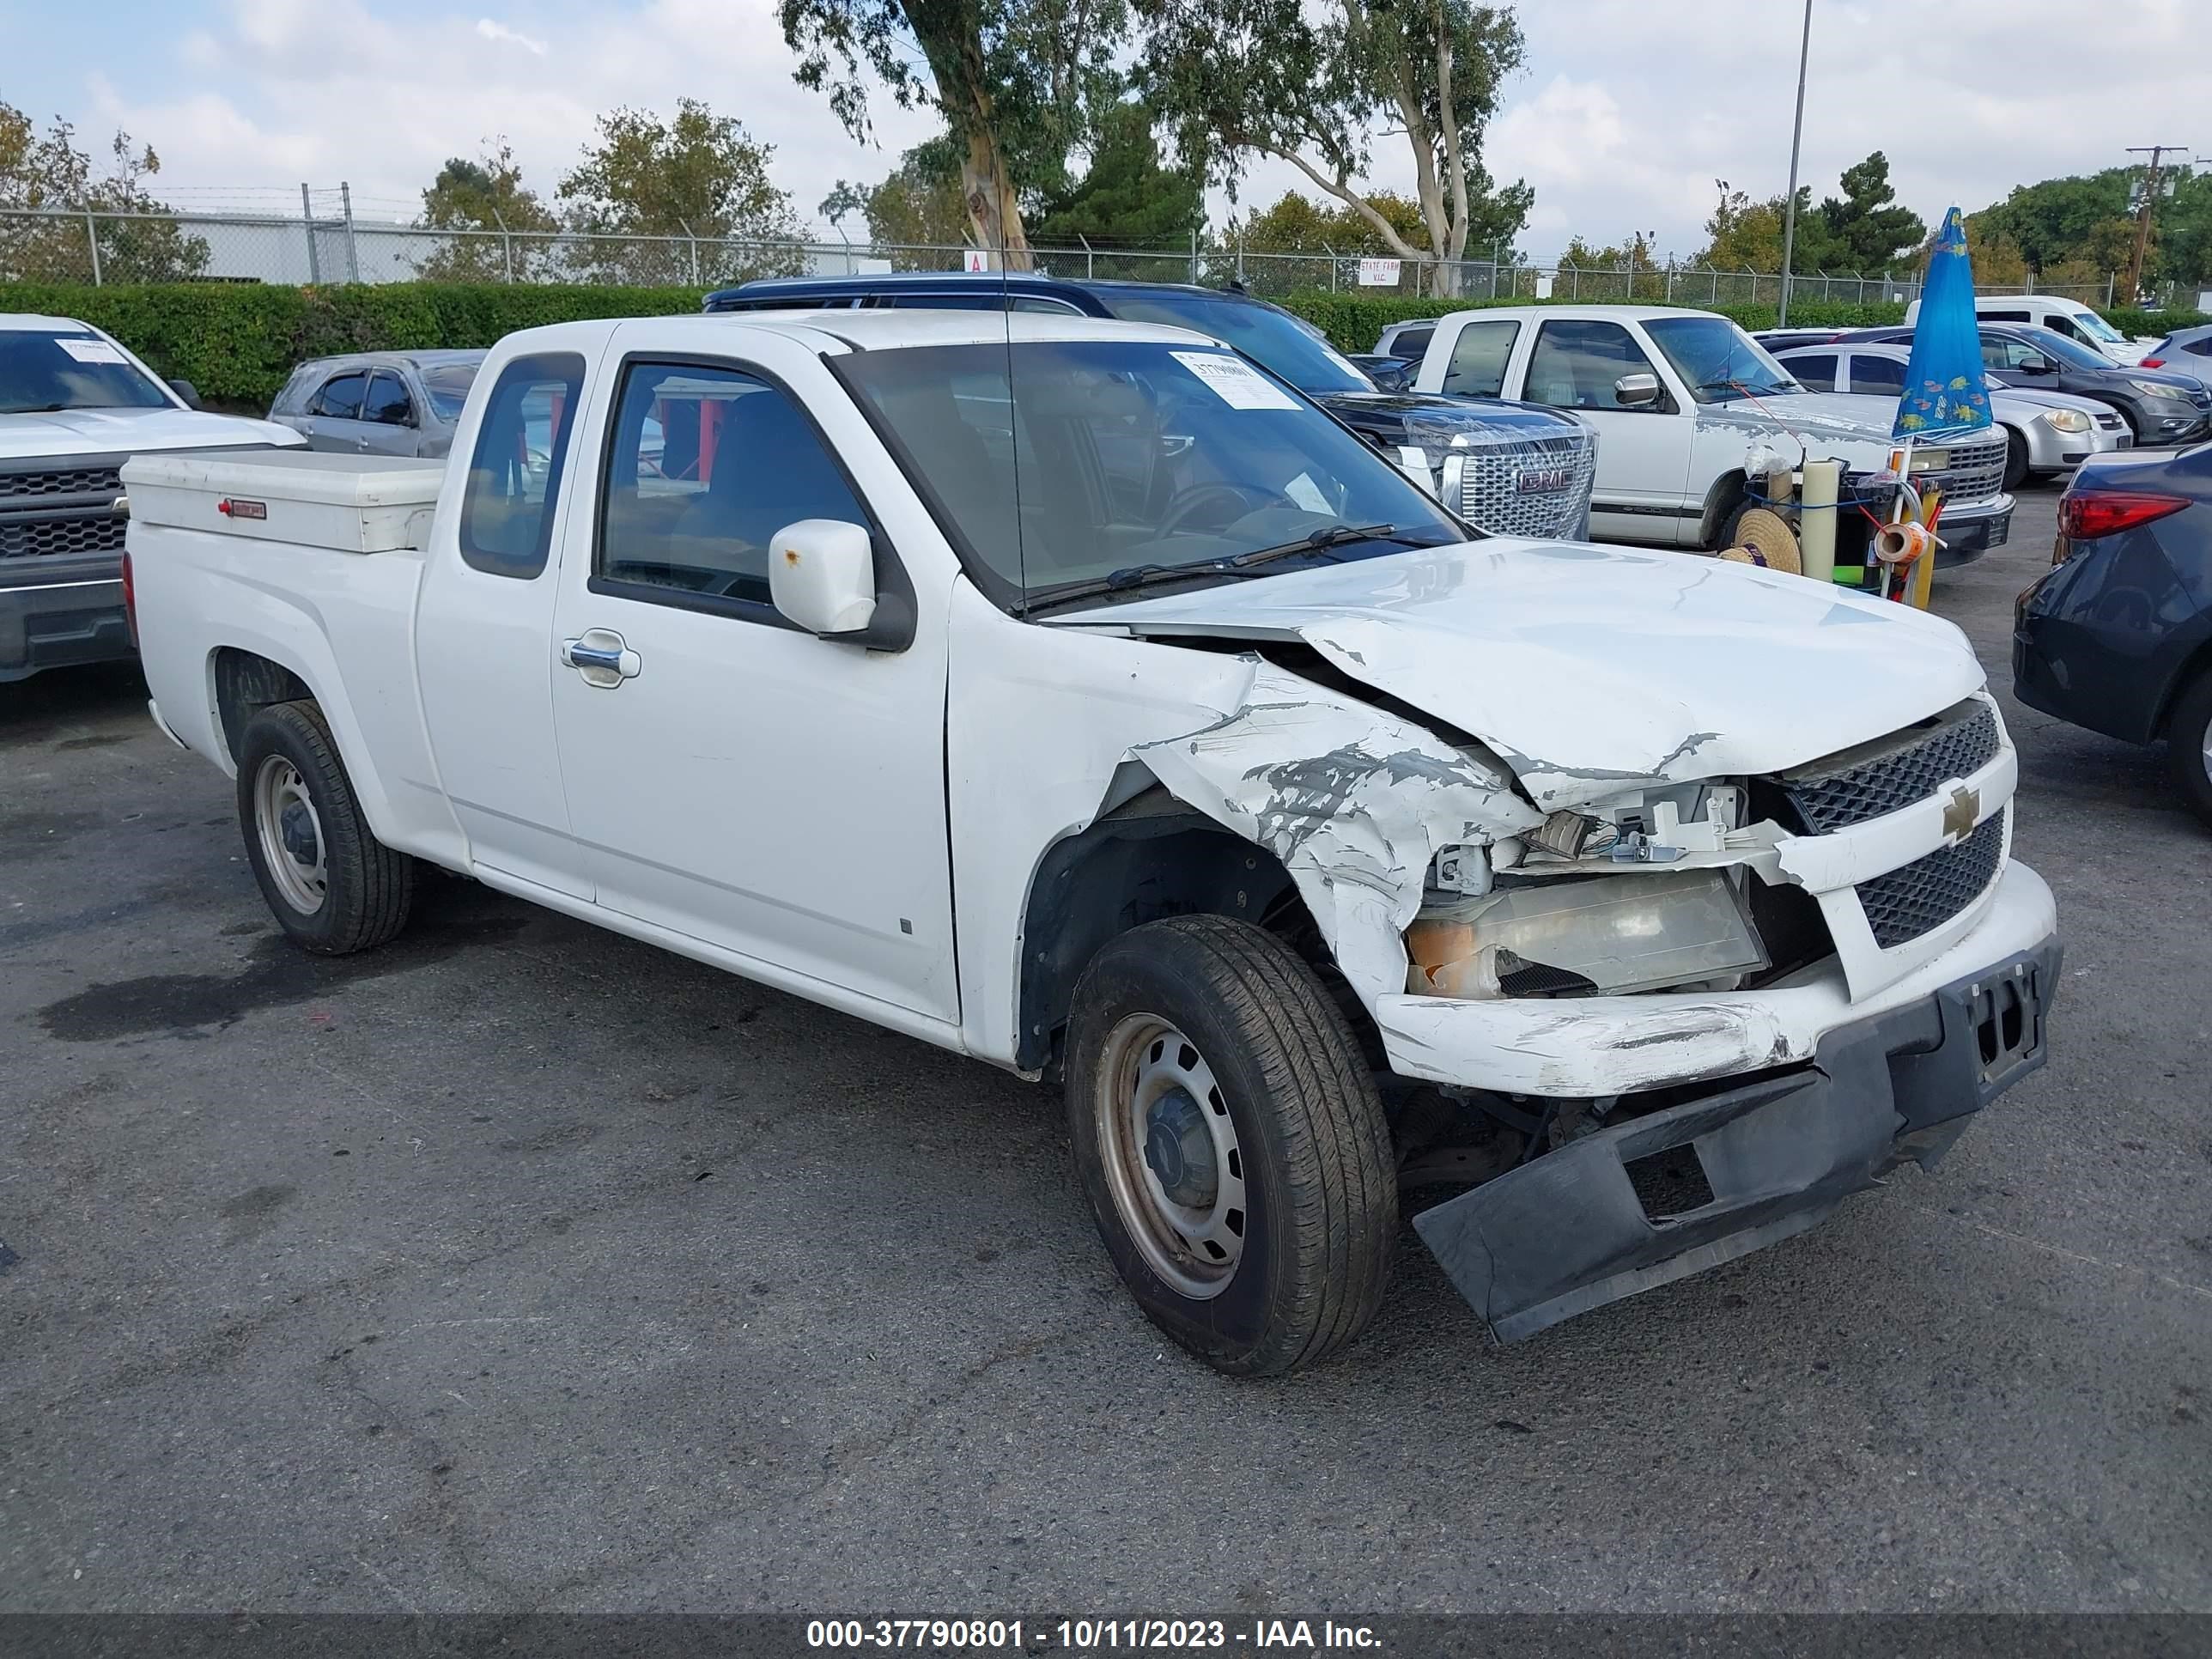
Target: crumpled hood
[[1586, 667], [1839, 423], [131, 431]]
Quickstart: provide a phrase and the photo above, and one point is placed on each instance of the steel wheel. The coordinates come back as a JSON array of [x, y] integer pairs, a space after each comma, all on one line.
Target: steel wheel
[[1172, 1162], [292, 846]]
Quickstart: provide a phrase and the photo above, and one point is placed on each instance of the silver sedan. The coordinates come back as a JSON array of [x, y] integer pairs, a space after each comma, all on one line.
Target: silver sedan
[[2050, 431], [379, 403]]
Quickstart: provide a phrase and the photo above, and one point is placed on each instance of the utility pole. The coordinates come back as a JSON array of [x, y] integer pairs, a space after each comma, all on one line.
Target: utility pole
[[1796, 136], [2151, 171]]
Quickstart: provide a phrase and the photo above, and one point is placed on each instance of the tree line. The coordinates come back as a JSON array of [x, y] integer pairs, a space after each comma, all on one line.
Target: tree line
[[1063, 122], [2074, 232]]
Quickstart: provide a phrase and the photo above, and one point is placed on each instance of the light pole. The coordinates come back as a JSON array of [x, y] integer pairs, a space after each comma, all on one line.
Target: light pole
[[1796, 135]]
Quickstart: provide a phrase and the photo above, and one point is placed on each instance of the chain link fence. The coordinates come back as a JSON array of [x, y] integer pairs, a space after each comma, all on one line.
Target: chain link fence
[[316, 246]]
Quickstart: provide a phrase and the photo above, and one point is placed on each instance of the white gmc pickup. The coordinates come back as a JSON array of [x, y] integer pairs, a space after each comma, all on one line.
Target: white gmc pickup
[[1677, 398], [1071, 694]]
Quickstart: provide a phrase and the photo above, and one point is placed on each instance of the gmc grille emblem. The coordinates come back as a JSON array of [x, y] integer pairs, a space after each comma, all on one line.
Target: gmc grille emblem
[[1538, 480]]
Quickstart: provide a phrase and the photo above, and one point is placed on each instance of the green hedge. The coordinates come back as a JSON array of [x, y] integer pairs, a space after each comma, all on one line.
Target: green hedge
[[238, 342]]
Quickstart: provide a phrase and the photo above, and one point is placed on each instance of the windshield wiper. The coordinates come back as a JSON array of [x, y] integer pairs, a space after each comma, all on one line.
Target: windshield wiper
[[1776, 390], [36, 409], [1328, 536], [1132, 577]]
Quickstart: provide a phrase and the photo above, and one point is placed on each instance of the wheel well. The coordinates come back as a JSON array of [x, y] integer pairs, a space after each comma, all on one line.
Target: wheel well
[[1149, 859], [245, 685], [1727, 493]]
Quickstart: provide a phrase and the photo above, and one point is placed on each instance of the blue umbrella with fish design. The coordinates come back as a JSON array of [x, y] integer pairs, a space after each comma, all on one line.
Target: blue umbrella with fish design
[[1944, 390]]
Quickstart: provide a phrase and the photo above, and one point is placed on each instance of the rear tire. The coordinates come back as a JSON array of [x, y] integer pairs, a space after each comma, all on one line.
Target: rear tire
[[2189, 746], [2015, 473], [1229, 1135], [333, 886]]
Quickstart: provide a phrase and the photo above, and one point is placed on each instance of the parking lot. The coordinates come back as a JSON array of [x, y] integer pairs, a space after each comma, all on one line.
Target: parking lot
[[520, 1267]]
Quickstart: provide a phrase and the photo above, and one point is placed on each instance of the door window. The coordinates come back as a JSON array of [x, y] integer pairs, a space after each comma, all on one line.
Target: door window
[[704, 466], [1575, 363], [387, 403], [2006, 317], [1998, 351], [1478, 357], [1816, 371], [515, 471], [1880, 377], [340, 398], [1413, 343]]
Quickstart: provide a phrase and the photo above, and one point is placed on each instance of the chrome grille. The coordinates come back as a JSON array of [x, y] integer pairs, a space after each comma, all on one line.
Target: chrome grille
[[1975, 470], [36, 537], [85, 481], [1491, 492], [1858, 785], [1924, 894]]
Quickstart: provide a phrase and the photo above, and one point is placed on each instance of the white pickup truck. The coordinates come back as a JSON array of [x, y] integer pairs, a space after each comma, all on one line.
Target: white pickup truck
[[1069, 694], [1678, 396]]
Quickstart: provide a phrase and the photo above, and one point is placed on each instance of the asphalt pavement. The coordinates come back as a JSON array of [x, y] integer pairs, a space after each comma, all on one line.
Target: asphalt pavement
[[520, 1267]]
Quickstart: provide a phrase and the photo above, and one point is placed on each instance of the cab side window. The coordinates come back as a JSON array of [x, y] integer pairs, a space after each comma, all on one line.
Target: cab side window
[[1478, 359], [1816, 373], [1880, 377], [704, 466], [340, 398], [516, 468], [387, 403], [1413, 343], [1576, 364]]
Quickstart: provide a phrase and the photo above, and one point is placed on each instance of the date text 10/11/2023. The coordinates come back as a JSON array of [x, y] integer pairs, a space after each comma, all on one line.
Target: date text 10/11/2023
[[1086, 1635]]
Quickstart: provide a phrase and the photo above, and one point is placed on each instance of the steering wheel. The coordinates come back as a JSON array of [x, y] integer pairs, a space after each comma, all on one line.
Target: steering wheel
[[1188, 502]]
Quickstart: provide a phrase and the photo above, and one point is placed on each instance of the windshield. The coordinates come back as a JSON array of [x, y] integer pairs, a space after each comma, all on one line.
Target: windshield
[[2056, 345], [41, 372], [1129, 460], [447, 387], [2094, 327], [1718, 360], [1276, 341]]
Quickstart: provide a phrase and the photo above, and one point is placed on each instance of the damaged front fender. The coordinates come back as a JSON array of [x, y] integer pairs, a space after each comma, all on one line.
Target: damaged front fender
[[1353, 801]]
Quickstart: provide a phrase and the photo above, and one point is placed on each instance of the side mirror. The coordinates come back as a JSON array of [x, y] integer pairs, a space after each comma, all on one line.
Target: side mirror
[[188, 392], [822, 575], [2037, 366], [1634, 390]]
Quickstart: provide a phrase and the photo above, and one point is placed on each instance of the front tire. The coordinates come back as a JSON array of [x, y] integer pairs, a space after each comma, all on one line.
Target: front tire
[[2189, 746], [2015, 473], [1229, 1135], [333, 886]]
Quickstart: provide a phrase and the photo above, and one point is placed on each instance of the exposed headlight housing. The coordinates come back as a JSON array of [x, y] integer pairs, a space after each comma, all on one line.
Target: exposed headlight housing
[[2065, 420], [1603, 935]]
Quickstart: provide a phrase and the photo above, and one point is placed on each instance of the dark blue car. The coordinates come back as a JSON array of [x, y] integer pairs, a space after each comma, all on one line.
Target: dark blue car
[[1512, 469], [2118, 635]]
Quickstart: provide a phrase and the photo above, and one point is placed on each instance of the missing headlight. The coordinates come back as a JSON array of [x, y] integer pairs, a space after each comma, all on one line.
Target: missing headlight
[[1621, 933]]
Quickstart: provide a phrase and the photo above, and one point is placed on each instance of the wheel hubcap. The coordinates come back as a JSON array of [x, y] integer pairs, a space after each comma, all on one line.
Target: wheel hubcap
[[291, 834], [1173, 1163]]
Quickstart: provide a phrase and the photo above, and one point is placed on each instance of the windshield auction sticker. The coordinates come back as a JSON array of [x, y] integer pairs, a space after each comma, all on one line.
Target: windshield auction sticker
[[91, 351], [1234, 380]]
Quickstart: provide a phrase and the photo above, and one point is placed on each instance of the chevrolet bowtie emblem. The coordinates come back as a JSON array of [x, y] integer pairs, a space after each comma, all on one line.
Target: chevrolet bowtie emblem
[[1962, 813]]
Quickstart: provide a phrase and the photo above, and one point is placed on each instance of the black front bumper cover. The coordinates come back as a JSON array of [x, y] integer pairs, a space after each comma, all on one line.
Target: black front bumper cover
[[1567, 1232]]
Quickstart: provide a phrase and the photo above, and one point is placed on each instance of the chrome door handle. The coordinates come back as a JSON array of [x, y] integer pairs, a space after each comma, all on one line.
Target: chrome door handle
[[601, 657]]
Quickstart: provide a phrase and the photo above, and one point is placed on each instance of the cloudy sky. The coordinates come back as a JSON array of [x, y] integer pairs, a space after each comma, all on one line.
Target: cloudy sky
[[1626, 113]]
